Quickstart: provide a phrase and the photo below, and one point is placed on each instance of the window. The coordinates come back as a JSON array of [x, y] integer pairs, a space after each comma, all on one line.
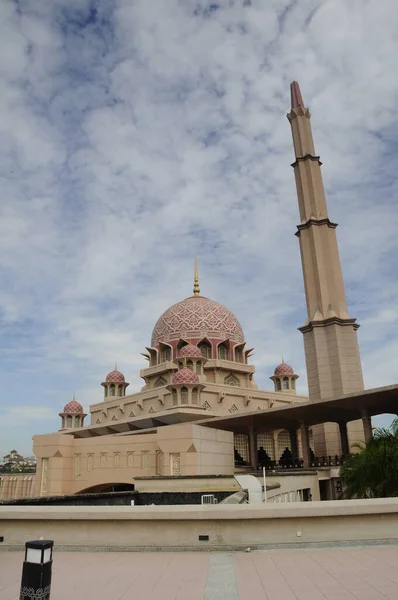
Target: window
[[77, 421], [69, 421], [195, 396], [160, 382], [175, 397], [166, 354], [205, 349], [222, 352], [232, 380], [184, 395], [283, 443], [241, 444], [278, 385], [198, 368], [285, 383], [120, 391], [112, 389], [266, 441], [293, 384], [190, 365]]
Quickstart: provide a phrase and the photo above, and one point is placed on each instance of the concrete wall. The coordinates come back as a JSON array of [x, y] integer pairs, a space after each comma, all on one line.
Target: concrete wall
[[16, 485], [67, 465], [180, 527]]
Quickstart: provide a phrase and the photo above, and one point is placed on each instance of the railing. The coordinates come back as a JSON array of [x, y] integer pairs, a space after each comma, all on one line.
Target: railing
[[287, 463]]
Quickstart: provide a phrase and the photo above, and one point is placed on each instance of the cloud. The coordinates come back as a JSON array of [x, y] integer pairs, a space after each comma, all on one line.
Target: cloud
[[136, 135]]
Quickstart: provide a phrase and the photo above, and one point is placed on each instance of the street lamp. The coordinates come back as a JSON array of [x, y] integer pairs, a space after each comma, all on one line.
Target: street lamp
[[36, 571]]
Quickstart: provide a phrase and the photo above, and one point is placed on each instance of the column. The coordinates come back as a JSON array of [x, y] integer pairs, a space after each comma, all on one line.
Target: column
[[305, 442], [345, 447], [252, 447], [367, 425], [293, 443]]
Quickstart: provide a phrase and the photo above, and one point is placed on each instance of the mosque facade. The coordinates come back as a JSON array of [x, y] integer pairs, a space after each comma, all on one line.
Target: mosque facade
[[198, 370]]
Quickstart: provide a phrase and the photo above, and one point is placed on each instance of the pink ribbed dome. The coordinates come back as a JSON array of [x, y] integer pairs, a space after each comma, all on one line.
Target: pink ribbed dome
[[284, 369], [115, 376], [185, 376], [197, 317], [73, 407], [190, 351]]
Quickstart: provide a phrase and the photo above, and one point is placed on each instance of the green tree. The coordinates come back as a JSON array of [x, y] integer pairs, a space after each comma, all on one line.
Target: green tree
[[373, 471]]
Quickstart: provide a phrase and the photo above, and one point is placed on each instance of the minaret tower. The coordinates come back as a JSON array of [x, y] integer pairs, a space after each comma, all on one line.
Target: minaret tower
[[330, 339]]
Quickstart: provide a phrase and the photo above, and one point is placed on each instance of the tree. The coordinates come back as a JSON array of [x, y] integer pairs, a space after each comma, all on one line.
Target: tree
[[373, 471]]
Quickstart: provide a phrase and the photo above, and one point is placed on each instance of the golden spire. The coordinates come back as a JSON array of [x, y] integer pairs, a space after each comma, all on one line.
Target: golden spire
[[196, 289], [115, 366]]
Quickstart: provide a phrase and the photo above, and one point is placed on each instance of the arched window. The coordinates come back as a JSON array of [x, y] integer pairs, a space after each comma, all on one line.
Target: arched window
[[198, 368], [190, 364], [180, 365], [283, 443], [195, 396], [222, 352], [241, 444], [77, 421], [184, 395], [175, 397], [205, 348], [160, 382], [278, 385], [120, 391], [266, 441], [166, 354], [232, 380], [293, 384], [63, 422], [285, 383], [69, 421], [112, 389]]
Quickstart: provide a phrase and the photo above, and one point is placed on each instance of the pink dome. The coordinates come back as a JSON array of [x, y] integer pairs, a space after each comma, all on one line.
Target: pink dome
[[190, 351], [197, 317], [284, 369], [185, 376], [73, 407], [115, 376]]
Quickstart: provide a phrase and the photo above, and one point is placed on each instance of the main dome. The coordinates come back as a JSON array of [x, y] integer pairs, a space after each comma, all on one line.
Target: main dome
[[197, 317]]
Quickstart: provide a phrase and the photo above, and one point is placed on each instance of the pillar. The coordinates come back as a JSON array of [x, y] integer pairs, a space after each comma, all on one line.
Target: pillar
[[252, 447], [367, 426], [305, 442], [293, 444], [345, 447]]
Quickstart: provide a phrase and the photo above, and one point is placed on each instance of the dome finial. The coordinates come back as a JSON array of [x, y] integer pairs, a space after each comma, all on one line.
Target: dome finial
[[115, 366], [196, 289]]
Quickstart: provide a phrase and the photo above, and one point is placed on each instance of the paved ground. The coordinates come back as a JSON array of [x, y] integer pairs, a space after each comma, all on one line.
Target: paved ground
[[369, 573]]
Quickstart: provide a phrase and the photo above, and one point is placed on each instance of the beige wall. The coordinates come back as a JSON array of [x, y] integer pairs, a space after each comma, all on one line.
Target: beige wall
[[16, 485], [67, 465], [179, 527]]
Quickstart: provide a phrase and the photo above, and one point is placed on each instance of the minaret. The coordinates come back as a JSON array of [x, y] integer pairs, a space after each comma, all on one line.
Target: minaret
[[330, 339]]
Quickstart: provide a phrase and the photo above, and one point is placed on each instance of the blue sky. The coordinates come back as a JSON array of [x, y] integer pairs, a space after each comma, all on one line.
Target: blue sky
[[136, 135]]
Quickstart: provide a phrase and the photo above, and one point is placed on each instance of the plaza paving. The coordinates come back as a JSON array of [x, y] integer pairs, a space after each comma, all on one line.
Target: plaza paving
[[365, 573]]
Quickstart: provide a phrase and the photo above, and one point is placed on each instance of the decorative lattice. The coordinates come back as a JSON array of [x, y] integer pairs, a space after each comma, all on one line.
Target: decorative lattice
[[266, 441], [233, 409], [283, 443], [241, 444]]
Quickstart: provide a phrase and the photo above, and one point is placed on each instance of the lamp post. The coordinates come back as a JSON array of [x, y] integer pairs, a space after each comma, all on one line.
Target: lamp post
[[36, 571]]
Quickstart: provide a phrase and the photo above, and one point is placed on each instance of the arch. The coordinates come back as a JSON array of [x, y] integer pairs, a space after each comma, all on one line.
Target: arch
[[278, 384], [283, 443], [175, 397], [166, 353], [198, 367], [223, 351], [184, 395], [190, 365], [241, 445], [205, 347], [195, 396], [69, 421], [293, 384], [265, 440], [232, 379], [160, 382], [77, 421], [112, 389], [238, 353], [285, 383]]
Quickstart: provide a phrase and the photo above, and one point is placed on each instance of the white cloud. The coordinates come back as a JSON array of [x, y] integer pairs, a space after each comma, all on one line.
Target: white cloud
[[136, 135]]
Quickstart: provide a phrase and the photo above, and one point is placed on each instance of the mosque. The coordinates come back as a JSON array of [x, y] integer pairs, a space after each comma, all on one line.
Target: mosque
[[200, 412]]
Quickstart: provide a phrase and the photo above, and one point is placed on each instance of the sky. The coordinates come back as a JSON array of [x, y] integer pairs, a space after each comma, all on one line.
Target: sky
[[135, 135]]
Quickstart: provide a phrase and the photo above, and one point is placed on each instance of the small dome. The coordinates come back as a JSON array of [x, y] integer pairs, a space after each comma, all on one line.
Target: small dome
[[115, 376], [185, 376], [284, 369], [190, 351], [73, 407]]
